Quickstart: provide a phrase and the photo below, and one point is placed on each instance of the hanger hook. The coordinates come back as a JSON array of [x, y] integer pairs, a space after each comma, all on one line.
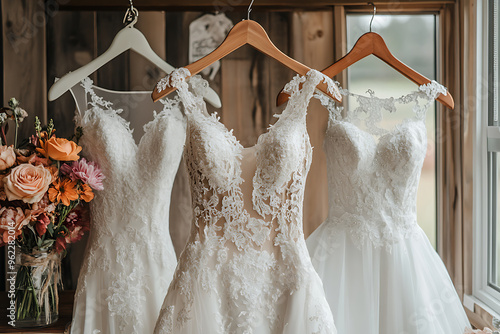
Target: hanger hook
[[373, 15], [131, 15], [249, 9]]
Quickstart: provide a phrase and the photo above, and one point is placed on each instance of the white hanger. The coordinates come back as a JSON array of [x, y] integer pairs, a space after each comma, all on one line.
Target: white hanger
[[127, 38]]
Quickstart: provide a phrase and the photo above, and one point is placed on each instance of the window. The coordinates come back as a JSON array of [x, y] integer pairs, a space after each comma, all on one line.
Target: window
[[487, 169], [493, 151], [412, 39]]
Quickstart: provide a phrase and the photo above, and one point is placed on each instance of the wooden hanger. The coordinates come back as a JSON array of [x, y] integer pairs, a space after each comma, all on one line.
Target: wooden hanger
[[245, 32], [127, 38], [373, 44]]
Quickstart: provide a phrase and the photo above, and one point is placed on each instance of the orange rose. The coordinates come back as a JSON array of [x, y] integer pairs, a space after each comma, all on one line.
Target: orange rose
[[27, 183], [60, 149], [7, 157]]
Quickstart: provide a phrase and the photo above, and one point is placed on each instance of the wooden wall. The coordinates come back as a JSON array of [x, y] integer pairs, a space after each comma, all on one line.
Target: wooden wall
[[41, 44]]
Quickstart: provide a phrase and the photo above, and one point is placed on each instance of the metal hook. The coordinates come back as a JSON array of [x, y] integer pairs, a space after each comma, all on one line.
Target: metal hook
[[373, 15], [250, 9], [131, 15]]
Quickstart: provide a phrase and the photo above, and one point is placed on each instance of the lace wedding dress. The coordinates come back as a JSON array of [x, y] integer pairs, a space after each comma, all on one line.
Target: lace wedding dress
[[246, 268], [129, 260], [379, 270]]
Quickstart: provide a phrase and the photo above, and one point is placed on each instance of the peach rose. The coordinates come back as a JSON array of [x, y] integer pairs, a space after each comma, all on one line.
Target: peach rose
[[27, 183], [60, 149], [7, 157], [12, 219]]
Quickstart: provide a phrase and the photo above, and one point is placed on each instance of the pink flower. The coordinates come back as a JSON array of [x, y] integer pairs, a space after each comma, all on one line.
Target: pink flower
[[87, 171], [41, 224], [13, 218], [7, 157], [27, 183], [44, 206]]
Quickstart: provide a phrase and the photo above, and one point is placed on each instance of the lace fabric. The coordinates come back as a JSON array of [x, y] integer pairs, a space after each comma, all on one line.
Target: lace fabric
[[379, 271], [129, 260], [246, 267], [373, 184]]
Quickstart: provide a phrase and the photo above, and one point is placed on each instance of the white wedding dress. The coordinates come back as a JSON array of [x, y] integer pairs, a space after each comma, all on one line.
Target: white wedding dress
[[129, 259], [246, 268], [379, 270]]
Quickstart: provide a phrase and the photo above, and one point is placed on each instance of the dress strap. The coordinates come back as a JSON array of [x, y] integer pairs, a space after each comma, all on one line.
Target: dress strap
[[302, 88], [191, 94], [369, 108]]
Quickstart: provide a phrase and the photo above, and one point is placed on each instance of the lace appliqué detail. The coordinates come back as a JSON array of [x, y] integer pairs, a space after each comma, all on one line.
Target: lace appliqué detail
[[372, 106], [373, 183], [245, 261]]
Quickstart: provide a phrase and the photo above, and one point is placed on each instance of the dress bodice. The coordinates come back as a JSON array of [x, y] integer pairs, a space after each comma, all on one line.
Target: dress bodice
[[147, 167], [247, 246], [216, 161], [374, 174]]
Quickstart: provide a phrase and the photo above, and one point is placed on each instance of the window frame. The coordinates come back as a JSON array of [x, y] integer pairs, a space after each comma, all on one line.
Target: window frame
[[482, 293]]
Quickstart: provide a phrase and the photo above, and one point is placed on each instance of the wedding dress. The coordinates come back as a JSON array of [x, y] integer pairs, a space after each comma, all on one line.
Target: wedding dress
[[246, 268], [129, 259], [379, 270]]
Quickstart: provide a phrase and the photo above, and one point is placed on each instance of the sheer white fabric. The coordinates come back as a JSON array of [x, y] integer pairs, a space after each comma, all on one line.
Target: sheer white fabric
[[379, 270], [246, 268], [129, 260]]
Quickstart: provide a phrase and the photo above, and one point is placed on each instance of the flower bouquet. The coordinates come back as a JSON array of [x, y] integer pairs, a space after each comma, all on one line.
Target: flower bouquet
[[45, 188]]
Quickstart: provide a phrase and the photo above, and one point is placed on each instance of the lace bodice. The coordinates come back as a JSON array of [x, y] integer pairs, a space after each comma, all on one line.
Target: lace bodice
[[373, 184], [129, 243], [247, 230]]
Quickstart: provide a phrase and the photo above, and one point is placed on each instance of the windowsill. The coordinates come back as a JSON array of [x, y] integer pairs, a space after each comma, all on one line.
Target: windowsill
[[478, 311]]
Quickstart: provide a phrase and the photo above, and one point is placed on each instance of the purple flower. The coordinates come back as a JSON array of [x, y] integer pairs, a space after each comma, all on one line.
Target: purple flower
[[87, 171]]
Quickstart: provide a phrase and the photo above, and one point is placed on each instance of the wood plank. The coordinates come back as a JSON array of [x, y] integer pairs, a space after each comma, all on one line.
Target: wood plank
[[23, 25], [234, 5], [114, 75], [313, 45], [70, 45]]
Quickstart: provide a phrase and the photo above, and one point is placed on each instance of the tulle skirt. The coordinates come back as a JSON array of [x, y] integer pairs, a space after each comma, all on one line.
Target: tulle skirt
[[404, 289]]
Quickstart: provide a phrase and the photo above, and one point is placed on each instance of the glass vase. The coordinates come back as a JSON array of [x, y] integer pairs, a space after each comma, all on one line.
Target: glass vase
[[36, 294]]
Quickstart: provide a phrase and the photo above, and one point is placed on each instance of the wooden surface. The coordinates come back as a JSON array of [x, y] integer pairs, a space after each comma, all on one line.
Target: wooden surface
[[231, 5], [65, 313], [23, 25]]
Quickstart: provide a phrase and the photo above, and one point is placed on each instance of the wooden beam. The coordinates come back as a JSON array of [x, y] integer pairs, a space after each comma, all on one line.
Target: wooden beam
[[234, 5]]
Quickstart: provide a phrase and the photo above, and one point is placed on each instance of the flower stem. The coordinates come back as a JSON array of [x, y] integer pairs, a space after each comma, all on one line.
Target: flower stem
[[16, 130]]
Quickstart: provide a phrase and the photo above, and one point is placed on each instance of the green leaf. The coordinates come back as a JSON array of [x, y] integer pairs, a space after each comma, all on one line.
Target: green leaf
[[50, 228]]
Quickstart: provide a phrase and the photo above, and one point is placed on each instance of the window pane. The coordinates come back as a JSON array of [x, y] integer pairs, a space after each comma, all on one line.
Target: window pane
[[495, 219], [412, 39]]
